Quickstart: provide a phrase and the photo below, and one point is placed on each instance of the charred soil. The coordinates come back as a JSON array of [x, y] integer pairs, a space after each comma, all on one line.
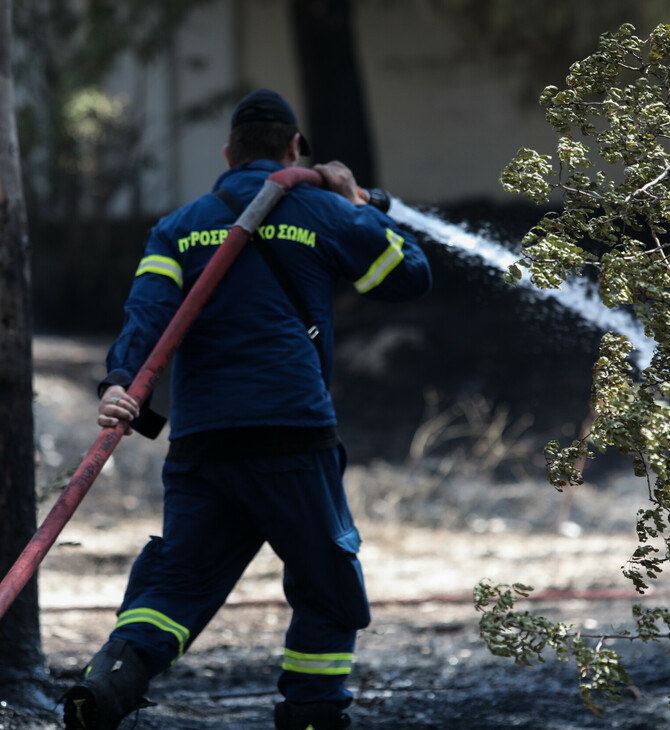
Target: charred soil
[[427, 541]]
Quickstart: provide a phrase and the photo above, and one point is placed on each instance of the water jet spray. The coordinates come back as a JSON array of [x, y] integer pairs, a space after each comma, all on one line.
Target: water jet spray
[[575, 296]]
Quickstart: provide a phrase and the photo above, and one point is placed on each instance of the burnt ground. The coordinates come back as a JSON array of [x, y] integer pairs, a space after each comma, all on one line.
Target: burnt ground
[[427, 541]]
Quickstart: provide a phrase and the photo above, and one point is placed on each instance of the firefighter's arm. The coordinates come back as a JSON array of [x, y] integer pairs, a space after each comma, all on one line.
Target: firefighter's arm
[[383, 261], [154, 298]]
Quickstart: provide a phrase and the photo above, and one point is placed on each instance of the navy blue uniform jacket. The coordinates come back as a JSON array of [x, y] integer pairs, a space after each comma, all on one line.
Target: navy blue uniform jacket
[[248, 361]]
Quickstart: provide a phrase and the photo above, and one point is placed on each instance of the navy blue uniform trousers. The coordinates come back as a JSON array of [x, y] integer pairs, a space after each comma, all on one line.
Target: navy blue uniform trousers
[[217, 515]]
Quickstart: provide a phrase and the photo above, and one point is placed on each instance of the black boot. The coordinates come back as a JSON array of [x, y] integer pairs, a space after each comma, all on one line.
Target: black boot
[[113, 685], [314, 716]]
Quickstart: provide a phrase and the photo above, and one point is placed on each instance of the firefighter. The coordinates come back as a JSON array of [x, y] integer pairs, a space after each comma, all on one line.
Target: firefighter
[[254, 453]]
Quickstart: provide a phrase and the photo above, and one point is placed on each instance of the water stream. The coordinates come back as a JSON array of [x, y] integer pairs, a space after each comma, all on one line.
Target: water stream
[[574, 295]]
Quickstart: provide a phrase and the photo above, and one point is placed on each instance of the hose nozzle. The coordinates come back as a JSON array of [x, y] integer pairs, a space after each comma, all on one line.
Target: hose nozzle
[[378, 198]]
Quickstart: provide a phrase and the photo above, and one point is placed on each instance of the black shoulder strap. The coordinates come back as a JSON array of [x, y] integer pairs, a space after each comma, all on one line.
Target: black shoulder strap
[[281, 274], [230, 200]]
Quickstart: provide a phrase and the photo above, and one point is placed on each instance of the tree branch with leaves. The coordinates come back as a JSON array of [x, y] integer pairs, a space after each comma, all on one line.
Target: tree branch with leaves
[[612, 173]]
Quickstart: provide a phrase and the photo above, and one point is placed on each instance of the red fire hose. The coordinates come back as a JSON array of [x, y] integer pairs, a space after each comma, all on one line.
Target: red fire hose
[[273, 190]]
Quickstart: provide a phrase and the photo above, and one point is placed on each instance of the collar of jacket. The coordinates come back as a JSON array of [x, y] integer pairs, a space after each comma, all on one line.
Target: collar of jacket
[[268, 166]]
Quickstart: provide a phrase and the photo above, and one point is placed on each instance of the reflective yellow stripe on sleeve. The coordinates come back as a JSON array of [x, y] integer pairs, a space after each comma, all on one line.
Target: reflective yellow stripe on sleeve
[[295, 661], [161, 265], [157, 619], [383, 266]]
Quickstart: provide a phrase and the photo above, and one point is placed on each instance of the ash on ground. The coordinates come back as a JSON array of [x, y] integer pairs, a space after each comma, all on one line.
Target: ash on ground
[[428, 539]]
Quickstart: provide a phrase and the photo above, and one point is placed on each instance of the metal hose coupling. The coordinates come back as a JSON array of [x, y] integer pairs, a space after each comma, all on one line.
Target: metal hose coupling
[[378, 198]]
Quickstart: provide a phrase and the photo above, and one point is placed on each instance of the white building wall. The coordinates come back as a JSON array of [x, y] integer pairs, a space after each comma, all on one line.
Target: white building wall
[[211, 34], [444, 122], [442, 131], [202, 60], [267, 53], [444, 128]]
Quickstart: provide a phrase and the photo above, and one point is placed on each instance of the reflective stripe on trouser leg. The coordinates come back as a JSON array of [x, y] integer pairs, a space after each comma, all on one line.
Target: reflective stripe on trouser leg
[[327, 664], [160, 621], [184, 577], [311, 529]]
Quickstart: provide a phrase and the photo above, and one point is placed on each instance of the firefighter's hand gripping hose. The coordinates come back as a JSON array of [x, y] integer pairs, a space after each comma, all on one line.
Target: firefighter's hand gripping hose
[[274, 188]]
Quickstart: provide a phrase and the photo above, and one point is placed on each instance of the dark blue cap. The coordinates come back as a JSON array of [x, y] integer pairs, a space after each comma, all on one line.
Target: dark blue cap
[[265, 105]]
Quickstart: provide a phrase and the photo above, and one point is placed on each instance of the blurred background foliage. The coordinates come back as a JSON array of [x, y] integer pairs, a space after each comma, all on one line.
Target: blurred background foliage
[[78, 140]]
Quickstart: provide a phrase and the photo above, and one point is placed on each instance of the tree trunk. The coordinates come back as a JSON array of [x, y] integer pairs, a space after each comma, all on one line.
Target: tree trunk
[[21, 659], [336, 110]]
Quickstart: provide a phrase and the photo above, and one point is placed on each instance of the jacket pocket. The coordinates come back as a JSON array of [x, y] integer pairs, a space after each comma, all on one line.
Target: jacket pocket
[[349, 541], [354, 611]]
